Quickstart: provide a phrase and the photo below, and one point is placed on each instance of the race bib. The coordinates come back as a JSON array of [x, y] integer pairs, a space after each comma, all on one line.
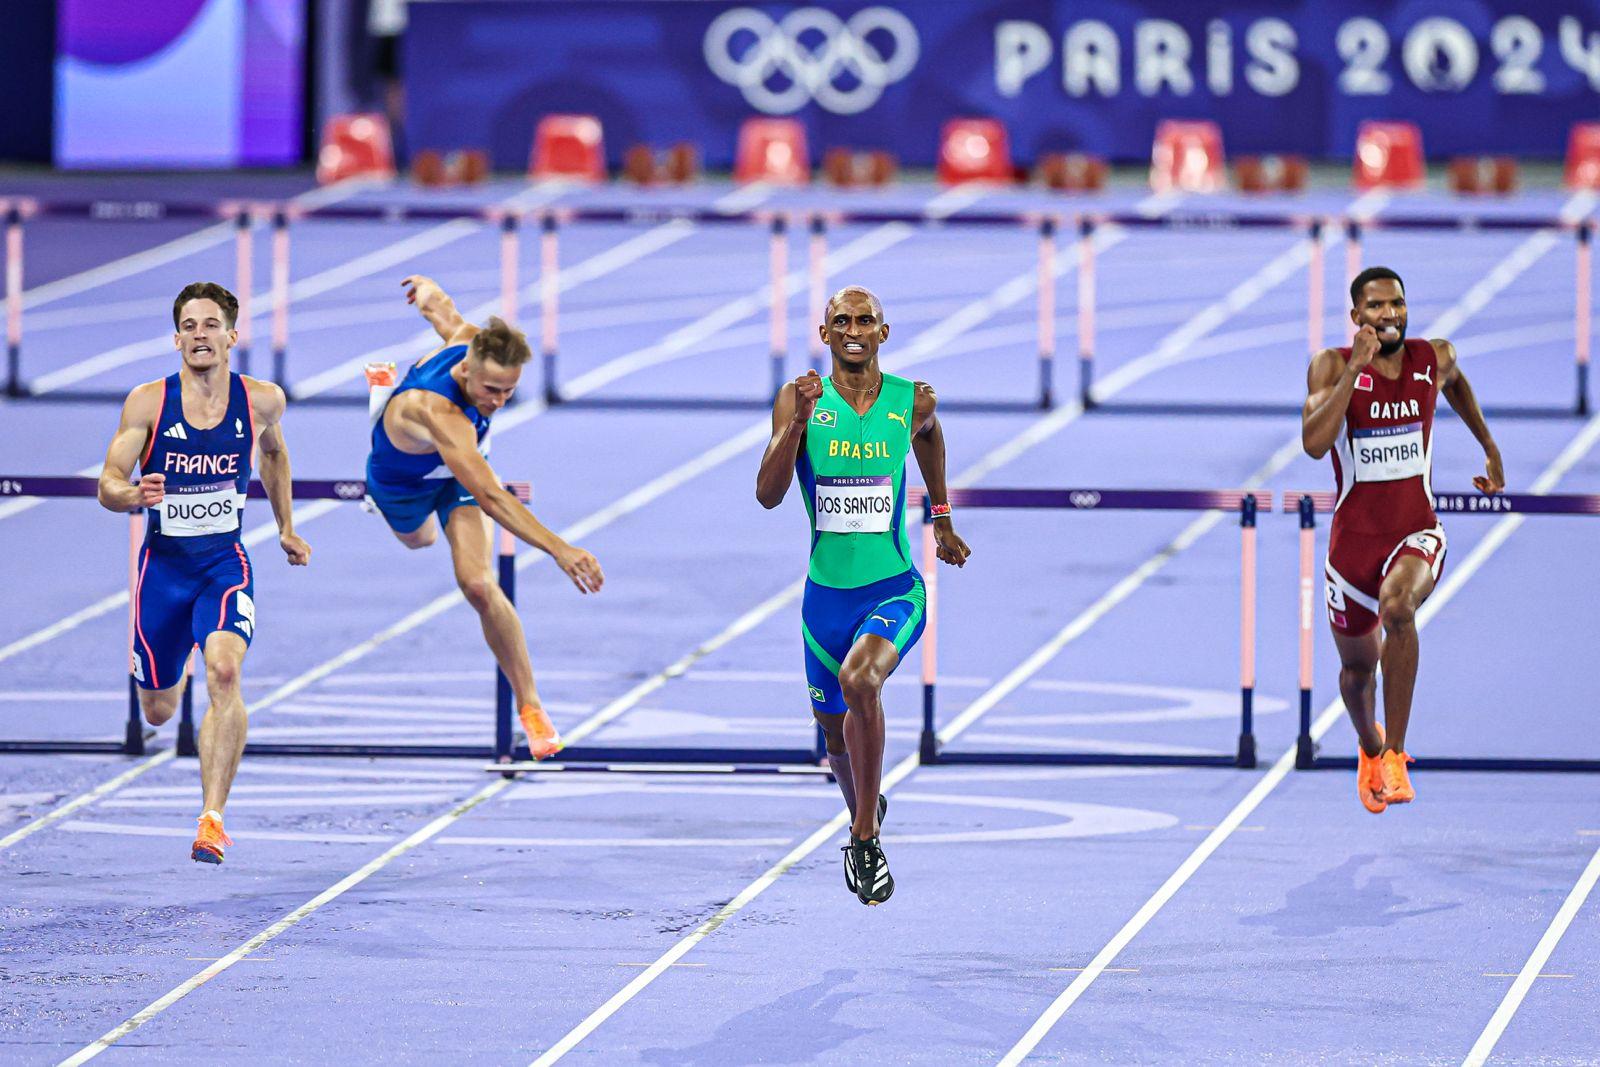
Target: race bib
[[855, 505], [1388, 453], [195, 511]]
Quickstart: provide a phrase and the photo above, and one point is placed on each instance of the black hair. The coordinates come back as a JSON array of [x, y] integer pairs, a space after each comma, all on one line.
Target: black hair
[[1372, 274]]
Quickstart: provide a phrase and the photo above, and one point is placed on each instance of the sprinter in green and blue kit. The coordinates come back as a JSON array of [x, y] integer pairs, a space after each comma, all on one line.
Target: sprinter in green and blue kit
[[846, 437]]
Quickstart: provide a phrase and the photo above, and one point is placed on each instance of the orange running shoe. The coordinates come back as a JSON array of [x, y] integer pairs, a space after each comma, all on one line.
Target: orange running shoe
[[1396, 781], [210, 839], [1369, 778], [543, 741]]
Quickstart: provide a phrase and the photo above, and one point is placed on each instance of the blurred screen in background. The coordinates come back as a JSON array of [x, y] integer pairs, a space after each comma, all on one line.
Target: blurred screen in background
[[179, 83]]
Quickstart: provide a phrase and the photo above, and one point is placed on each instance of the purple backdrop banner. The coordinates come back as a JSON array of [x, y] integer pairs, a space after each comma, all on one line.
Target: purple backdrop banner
[[179, 83], [1479, 76]]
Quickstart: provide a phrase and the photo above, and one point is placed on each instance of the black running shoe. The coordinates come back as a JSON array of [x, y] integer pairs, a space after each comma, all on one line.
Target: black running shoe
[[872, 869], [849, 860]]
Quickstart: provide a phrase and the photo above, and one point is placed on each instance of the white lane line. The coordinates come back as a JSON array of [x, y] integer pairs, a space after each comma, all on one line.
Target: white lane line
[[1282, 457], [382, 258], [921, 348], [338, 889], [107, 604], [1285, 763], [124, 829], [634, 500], [83, 800], [174, 250], [597, 266], [675, 344]]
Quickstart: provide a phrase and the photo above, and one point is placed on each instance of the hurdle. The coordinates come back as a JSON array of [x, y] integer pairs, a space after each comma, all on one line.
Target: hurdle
[[1045, 226], [1248, 503], [501, 748], [1307, 505], [777, 225], [18, 213], [1316, 231]]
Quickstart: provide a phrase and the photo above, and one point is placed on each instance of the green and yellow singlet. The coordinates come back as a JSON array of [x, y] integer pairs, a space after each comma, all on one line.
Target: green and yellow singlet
[[852, 474]]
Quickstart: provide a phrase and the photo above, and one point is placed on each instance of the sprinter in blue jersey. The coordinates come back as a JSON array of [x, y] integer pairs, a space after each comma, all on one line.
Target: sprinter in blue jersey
[[430, 445], [193, 435]]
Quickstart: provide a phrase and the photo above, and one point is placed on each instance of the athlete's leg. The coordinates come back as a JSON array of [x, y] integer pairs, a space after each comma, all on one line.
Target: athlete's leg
[[838, 756], [1358, 684], [468, 533], [1405, 587], [861, 676], [421, 537], [222, 731], [160, 705]]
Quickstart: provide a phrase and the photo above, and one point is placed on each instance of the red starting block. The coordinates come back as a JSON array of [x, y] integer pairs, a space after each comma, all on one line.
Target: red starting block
[[1389, 156], [774, 151], [355, 145], [1187, 157], [1071, 172], [1478, 175], [1583, 156], [568, 146], [1271, 174], [974, 150]]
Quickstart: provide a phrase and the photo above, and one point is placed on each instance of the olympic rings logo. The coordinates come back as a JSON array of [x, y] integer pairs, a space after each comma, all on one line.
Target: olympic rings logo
[[811, 55], [1084, 499], [349, 490]]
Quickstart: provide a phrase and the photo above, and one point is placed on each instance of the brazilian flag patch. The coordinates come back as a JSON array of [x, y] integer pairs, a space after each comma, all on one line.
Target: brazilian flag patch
[[824, 417]]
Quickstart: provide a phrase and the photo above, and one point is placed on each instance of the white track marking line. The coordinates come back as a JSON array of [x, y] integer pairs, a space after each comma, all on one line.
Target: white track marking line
[[680, 340], [174, 250], [634, 500], [922, 347], [1281, 458], [1542, 952], [333, 892], [83, 800], [1447, 590], [105, 605], [595, 267], [381, 258]]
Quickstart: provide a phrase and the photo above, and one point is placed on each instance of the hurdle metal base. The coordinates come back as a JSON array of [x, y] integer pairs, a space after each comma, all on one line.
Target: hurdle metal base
[[1463, 763], [932, 752], [1089, 759], [667, 754], [368, 751], [558, 767], [110, 748]]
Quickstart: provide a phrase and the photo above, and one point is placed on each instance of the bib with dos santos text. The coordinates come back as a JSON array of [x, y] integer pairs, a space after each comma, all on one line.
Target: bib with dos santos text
[[852, 472]]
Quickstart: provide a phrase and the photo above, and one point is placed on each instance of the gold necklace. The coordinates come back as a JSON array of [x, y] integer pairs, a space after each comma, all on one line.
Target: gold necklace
[[858, 390]]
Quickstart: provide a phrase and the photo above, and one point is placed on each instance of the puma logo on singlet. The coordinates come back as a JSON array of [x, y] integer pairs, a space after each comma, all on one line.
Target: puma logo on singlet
[[1425, 376], [880, 618], [897, 417]]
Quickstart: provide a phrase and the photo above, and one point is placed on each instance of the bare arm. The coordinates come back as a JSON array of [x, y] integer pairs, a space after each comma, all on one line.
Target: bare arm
[[138, 422], [267, 404], [1329, 382], [1454, 385], [790, 412], [452, 434], [440, 311], [927, 444]]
